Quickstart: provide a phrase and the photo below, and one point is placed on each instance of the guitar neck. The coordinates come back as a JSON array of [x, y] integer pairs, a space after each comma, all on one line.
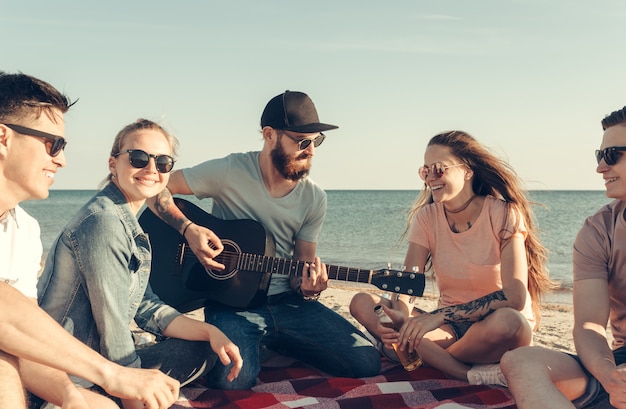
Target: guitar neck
[[275, 265]]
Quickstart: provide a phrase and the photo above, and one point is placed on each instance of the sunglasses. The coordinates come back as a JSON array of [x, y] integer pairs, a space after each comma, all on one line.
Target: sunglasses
[[305, 143], [610, 155], [437, 169], [140, 159], [57, 144]]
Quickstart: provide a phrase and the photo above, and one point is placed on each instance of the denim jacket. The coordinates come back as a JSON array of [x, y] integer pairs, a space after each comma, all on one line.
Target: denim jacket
[[95, 280]]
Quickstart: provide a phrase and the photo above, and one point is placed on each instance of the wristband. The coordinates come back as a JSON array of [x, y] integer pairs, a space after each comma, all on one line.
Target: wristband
[[313, 297], [186, 227]]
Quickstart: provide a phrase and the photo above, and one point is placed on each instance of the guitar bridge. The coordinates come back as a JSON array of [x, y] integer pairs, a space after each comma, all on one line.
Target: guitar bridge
[[178, 262]]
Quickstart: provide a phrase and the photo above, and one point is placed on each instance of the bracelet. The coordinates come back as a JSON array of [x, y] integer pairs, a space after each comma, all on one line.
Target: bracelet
[[186, 227], [313, 297]]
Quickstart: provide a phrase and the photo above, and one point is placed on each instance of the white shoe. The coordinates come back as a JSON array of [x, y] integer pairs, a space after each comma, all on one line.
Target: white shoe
[[488, 374]]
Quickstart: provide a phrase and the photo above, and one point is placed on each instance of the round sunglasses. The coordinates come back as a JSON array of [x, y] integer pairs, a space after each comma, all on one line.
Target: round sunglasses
[[305, 143], [55, 143], [140, 159], [437, 169], [610, 155]]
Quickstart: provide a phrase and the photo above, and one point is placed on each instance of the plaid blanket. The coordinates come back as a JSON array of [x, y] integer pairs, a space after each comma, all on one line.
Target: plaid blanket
[[285, 384]]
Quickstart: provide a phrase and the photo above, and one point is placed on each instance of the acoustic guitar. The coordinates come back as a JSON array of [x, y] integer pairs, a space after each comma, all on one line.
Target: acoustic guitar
[[179, 279]]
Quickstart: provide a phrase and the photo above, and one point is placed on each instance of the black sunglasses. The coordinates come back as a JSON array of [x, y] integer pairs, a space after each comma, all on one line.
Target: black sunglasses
[[610, 155], [54, 148], [140, 159], [305, 143]]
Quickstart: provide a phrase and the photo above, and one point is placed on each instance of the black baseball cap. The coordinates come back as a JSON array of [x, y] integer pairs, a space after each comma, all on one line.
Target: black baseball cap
[[293, 111]]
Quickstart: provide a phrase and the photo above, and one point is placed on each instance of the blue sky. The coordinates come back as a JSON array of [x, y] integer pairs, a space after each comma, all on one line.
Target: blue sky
[[530, 78]]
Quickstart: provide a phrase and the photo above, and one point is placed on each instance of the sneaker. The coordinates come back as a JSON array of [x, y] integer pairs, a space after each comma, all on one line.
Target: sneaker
[[388, 353], [488, 374]]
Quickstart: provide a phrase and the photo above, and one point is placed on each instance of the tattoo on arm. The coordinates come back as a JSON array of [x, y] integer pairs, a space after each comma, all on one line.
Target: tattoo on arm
[[473, 310], [163, 205]]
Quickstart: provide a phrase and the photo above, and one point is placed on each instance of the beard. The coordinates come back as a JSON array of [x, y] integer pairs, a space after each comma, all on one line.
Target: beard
[[287, 165]]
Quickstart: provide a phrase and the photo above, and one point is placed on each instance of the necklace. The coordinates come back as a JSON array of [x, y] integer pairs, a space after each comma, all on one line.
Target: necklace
[[463, 206], [459, 210]]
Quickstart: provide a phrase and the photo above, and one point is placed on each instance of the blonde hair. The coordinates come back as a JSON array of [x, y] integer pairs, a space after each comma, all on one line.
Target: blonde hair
[[493, 176], [139, 124]]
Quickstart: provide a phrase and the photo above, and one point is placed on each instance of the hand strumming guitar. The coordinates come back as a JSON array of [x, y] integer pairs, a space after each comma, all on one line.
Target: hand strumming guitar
[[205, 245]]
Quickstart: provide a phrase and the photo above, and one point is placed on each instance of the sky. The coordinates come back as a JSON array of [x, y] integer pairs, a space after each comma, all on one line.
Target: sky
[[531, 79]]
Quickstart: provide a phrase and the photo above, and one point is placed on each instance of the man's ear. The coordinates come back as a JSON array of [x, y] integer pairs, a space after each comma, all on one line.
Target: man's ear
[[4, 139], [269, 134]]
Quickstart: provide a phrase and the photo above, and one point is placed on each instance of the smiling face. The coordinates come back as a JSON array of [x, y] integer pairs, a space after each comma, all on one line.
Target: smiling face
[[615, 175], [140, 184], [455, 185], [26, 167]]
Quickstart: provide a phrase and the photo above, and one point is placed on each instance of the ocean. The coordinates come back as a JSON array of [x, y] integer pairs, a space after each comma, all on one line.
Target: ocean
[[363, 227]]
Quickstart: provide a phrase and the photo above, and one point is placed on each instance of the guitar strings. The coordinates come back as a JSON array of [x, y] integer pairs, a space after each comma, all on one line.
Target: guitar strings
[[255, 261]]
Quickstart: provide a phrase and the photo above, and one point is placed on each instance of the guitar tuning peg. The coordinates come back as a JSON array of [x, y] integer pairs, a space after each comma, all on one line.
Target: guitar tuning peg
[[403, 268], [412, 299], [415, 269], [389, 265]]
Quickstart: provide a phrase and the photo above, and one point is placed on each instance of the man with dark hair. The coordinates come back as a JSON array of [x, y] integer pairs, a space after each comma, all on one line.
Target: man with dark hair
[[35, 352], [596, 377], [272, 187]]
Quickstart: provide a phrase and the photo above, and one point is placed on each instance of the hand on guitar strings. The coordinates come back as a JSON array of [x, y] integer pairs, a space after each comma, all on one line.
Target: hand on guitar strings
[[205, 245], [314, 278]]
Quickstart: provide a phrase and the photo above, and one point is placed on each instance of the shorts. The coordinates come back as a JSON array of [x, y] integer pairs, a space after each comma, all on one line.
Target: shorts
[[460, 328], [595, 396]]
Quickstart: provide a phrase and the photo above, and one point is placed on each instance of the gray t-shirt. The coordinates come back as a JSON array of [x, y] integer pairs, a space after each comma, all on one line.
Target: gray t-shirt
[[235, 185]]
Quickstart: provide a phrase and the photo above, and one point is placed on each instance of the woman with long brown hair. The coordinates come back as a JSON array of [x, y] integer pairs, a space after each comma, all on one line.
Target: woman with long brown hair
[[472, 224]]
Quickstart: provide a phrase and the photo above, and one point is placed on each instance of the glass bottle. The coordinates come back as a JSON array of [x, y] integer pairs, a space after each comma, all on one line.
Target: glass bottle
[[409, 360]]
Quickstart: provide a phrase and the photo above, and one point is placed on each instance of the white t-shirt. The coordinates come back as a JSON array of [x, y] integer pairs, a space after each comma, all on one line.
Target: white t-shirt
[[20, 251]]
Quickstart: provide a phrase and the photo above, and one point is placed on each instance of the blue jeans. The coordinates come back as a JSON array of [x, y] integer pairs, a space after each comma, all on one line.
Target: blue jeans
[[305, 330]]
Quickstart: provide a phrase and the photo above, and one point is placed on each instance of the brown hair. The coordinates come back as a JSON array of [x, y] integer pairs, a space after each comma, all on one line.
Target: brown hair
[[614, 118], [22, 96], [493, 176]]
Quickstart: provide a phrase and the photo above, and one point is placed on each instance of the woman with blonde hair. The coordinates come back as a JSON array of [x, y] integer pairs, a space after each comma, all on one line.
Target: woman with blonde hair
[[96, 278], [472, 224]]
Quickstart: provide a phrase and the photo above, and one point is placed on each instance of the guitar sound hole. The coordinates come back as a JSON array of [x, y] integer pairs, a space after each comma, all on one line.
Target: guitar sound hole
[[229, 257]]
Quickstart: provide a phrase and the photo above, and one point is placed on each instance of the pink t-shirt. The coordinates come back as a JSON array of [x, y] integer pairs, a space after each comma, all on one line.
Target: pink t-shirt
[[467, 264], [600, 252]]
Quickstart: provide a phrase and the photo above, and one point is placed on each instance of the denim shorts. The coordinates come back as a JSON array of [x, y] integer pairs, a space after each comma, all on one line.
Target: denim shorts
[[595, 396], [460, 328]]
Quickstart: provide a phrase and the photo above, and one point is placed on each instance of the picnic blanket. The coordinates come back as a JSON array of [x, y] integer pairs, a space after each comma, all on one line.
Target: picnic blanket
[[285, 383]]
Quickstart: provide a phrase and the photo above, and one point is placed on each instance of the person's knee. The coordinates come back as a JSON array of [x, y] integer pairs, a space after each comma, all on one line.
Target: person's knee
[[516, 359], [359, 304], [509, 326]]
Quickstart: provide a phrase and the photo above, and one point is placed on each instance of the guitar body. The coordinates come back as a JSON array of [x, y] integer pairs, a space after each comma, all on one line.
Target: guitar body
[[179, 279]]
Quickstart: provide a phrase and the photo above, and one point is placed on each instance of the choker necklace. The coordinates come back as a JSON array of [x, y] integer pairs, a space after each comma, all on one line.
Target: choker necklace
[[460, 209]]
